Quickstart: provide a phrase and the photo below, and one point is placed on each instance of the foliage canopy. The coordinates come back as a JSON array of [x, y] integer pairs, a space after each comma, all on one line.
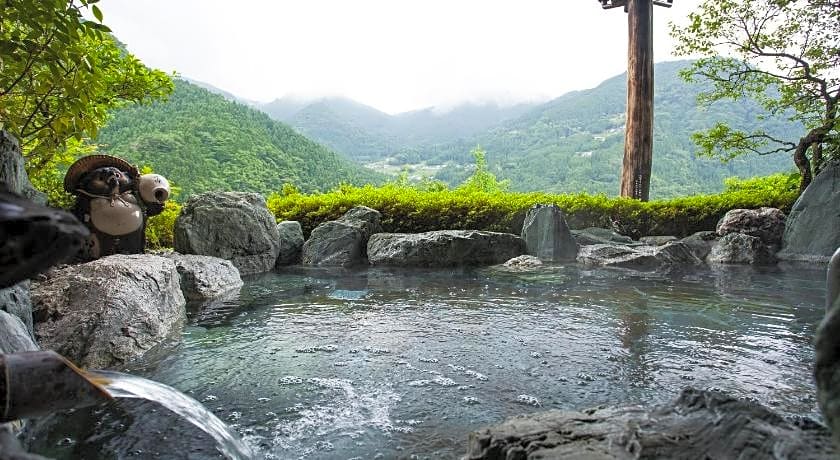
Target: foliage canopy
[[60, 74], [785, 54]]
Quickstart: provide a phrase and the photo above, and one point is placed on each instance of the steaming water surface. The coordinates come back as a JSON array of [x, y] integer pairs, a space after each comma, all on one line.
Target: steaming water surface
[[382, 363]]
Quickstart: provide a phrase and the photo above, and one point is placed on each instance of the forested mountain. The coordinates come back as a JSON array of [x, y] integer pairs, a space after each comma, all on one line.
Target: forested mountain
[[202, 141], [570, 144], [367, 134], [575, 143]]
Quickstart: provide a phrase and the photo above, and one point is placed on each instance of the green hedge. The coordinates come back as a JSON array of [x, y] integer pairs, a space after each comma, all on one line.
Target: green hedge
[[409, 209]]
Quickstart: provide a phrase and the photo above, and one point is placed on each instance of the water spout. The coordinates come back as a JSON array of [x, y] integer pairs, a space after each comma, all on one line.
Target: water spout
[[121, 385], [37, 383]]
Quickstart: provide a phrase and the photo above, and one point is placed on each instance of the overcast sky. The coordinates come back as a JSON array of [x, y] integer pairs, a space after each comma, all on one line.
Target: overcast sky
[[395, 55]]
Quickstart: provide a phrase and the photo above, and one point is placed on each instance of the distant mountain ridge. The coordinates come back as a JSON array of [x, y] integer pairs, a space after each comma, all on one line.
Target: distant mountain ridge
[[364, 133], [202, 141], [575, 143]]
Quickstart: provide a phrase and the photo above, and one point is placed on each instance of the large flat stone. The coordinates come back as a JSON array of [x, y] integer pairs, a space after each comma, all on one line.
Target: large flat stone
[[698, 425], [444, 248]]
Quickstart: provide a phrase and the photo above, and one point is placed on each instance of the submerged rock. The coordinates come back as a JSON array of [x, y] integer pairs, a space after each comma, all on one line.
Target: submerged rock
[[522, 263], [547, 236], [205, 277], [444, 248], [231, 225], [342, 242], [291, 242], [813, 226], [699, 424], [103, 313], [740, 248]]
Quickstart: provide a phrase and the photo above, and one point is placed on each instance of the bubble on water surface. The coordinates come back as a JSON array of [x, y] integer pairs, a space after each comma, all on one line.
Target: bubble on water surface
[[64, 442], [429, 360], [290, 380], [529, 400], [344, 408], [476, 375], [377, 351], [444, 382], [317, 348]]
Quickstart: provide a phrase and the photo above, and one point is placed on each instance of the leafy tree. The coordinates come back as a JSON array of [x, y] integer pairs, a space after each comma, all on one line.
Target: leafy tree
[[60, 74], [482, 180], [785, 54]]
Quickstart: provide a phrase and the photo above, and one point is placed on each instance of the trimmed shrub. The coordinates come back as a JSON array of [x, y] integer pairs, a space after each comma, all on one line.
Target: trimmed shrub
[[407, 209]]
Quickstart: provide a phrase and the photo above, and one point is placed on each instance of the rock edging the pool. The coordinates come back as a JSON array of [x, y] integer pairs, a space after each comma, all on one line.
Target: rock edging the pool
[[108, 311]]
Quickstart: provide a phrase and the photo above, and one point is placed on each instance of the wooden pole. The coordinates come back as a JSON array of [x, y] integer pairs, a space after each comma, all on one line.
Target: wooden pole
[[638, 134]]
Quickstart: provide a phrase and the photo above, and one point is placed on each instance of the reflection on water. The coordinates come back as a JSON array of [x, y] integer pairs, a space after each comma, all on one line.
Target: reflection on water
[[320, 363]]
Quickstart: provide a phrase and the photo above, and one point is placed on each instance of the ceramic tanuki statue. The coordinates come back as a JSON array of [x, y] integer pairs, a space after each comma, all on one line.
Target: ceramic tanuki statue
[[114, 201]]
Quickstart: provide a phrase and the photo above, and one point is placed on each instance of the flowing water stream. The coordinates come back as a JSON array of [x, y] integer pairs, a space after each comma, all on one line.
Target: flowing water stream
[[378, 363], [120, 386]]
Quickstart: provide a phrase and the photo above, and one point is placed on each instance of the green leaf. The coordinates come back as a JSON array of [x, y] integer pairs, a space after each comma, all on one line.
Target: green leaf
[[97, 13]]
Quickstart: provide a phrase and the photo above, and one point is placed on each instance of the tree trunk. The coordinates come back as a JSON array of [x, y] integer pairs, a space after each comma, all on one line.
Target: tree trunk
[[817, 156], [800, 158], [638, 135]]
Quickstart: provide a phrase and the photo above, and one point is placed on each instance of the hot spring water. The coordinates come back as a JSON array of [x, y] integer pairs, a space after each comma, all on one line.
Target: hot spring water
[[377, 363]]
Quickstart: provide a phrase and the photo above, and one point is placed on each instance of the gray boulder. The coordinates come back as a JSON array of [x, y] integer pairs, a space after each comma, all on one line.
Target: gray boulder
[[616, 255], [813, 225], [15, 301], [16, 332], [342, 242], [596, 235], [14, 336], [231, 225], [827, 366], [677, 253], [657, 240], [12, 171], [291, 242], [700, 243], [767, 224], [103, 313], [444, 248], [740, 248], [644, 258], [546, 234], [699, 424], [205, 277]]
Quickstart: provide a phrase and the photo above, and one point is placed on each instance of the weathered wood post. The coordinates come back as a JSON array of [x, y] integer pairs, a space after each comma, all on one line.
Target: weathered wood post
[[638, 131]]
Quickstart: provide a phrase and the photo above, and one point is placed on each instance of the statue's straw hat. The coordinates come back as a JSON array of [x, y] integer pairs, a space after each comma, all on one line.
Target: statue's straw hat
[[91, 162]]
